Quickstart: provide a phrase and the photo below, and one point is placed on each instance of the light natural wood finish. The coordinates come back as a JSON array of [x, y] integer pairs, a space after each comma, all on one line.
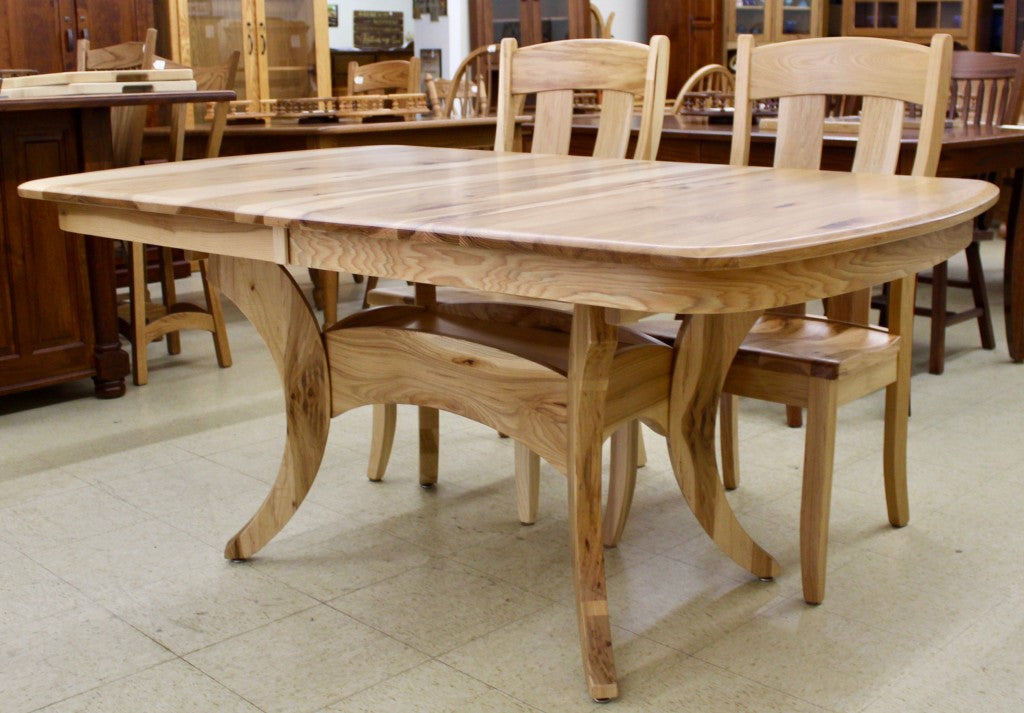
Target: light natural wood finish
[[126, 122], [627, 71], [806, 362], [512, 222], [392, 75], [600, 26], [148, 323], [267, 295], [709, 78]]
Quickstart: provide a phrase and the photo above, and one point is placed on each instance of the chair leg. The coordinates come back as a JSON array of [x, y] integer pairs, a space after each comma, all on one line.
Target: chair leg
[[381, 440], [170, 295], [976, 276], [371, 284], [216, 310], [728, 409], [137, 301], [429, 436], [641, 449], [527, 484], [794, 416], [819, 452], [621, 482], [329, 292], [897, 406], [937, 350]]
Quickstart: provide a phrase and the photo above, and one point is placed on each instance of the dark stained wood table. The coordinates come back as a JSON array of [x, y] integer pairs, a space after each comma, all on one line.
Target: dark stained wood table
[[243, 139], [58, 311], [966, 152]]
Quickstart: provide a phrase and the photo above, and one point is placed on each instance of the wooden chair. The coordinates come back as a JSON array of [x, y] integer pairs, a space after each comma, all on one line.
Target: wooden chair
[[393, 75], [147, 322], [986, 89], [813, 362], [126, 121], [510, 365], [387, 77], [600, 26], [709, 78], [463, 98], [551, 136]]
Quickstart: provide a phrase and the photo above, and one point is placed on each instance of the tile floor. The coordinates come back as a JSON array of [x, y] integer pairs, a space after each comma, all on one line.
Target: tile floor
[[386, 597]]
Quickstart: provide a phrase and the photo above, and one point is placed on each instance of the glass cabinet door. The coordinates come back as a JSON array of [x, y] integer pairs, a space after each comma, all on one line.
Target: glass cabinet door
[[554, 20], [215, 30], [933, 16], [506, 20], [876, 15], [750, 17], [799, 19], [287, 47]]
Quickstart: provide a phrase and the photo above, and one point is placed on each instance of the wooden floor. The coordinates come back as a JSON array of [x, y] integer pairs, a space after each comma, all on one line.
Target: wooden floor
[[115, 596]]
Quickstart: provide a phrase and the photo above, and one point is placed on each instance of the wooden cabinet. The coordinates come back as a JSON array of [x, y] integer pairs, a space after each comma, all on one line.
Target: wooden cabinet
[[42, 34], [283, 43], [529, 21], [917, 20], [774, 20], [1013, 25], [695, 30], [57, 312]]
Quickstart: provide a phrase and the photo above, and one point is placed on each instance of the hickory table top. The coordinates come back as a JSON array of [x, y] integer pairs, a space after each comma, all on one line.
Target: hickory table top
[[689, 216]]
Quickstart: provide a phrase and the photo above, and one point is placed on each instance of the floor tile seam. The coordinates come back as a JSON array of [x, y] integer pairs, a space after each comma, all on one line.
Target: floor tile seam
[[185, 656], [764, 684], [505, 580], [545, 603], [369, 686], [32, 498], [101, 685], [726, 631], [359, 620]]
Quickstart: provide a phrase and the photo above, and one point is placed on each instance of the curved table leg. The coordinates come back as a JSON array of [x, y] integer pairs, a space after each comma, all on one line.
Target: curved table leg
[[592, 346], [268, 296], [705, 349]]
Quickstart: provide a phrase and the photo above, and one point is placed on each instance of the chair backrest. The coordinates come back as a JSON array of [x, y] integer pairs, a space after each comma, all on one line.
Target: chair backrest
[[463, 99], [986, 87], [393, 75], [887, 74], [212, 78], [622, 71], [126, 55], [126, 122], [474, 71], [709, 78]]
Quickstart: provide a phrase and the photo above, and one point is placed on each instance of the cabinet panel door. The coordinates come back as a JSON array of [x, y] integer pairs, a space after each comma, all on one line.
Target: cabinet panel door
[[109, 22], [37, 35], [47, 331]]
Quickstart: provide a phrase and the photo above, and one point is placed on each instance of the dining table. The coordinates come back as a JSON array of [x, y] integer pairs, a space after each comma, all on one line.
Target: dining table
[[615, 239], [967, 152]]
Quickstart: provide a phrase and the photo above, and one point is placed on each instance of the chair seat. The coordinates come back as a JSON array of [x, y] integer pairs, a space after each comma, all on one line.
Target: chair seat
[[406, 295], [808, 345], [543, 341]]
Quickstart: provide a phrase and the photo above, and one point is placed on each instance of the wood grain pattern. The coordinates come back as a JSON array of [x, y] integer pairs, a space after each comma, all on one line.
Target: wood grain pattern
[[610, 210], [269, 298], [704, 351]]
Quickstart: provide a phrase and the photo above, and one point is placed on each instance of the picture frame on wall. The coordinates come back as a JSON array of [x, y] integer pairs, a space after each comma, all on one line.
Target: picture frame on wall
[[430, 62]]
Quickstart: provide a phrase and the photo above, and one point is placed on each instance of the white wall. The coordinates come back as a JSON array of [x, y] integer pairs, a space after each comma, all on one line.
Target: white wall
[[340, 37], [451, 32]]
